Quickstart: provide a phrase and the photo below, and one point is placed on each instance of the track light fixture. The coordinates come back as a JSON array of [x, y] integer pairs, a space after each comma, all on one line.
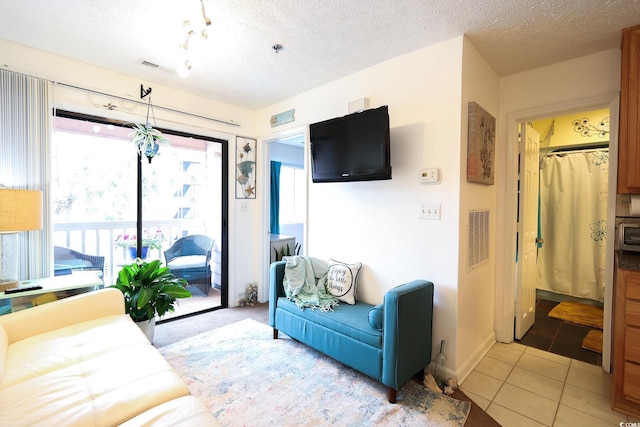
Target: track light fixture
[[183, 70]]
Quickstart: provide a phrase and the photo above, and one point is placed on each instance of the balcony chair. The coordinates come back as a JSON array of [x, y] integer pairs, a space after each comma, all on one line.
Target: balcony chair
[[66, 260], [190, 258]]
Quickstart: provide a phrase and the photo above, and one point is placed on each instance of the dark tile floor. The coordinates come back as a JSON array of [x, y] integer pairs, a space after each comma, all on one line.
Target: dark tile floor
[[557, 336]]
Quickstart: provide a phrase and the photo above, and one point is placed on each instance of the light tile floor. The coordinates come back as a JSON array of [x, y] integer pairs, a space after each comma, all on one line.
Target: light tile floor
[[522, 386]]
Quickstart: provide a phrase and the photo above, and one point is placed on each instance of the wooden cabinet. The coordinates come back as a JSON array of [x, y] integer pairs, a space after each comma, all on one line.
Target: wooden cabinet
[[629, 138], [625, 393]]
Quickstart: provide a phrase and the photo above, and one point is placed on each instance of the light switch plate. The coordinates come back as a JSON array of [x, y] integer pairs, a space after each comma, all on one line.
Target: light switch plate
[[429, 211]]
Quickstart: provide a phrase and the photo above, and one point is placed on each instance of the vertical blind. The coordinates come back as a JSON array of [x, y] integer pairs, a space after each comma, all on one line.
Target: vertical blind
[[25, 133]]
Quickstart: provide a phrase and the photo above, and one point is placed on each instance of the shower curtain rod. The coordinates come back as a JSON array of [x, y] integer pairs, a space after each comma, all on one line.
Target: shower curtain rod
[[159, 107], [579, 149]]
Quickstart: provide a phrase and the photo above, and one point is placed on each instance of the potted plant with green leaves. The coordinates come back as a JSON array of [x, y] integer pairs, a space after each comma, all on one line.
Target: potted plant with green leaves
[[147, 139], [149, 290], [150, 240]]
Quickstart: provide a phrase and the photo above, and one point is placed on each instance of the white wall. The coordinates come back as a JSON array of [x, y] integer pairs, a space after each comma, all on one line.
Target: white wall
[[243, 266], [475, 331], [377, 222]]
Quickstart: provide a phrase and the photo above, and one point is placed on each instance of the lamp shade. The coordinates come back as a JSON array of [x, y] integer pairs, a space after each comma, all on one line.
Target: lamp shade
[[20, 210]]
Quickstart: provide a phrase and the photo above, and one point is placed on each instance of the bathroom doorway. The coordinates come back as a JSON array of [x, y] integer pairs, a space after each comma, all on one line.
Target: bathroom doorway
[[571, 241]]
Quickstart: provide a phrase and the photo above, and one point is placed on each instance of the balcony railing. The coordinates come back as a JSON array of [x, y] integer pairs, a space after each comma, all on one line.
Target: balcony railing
[[97, 238]]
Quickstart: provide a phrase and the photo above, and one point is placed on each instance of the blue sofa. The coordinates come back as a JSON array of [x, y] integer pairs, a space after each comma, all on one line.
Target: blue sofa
[[390, 342]]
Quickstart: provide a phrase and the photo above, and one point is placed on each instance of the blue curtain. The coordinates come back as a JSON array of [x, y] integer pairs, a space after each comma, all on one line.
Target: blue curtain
[[275, 197]]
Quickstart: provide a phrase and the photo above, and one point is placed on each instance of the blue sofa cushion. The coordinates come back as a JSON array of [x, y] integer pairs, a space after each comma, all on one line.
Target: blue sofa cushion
[[376, 317], [352, 320]]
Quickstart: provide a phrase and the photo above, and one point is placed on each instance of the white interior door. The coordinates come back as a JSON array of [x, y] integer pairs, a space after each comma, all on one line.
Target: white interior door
[[526, 280]]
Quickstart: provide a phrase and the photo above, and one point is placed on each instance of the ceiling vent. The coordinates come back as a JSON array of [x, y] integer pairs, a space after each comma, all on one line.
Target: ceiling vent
[[149, 64], [155, 66]]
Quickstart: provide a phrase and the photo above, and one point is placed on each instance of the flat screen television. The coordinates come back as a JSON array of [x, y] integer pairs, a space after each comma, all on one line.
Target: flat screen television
[[355, 147]]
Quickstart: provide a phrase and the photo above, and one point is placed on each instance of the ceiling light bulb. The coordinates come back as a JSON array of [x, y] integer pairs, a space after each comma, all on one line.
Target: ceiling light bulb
[[183, 70]]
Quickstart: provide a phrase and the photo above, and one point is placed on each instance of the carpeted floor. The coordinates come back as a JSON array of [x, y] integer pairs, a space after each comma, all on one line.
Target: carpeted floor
[[247, 378], [177, 330]]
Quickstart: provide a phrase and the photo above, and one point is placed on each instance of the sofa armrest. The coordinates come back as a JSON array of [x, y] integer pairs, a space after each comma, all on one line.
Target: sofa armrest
[[408, 311], [276, 289], [61, 313]]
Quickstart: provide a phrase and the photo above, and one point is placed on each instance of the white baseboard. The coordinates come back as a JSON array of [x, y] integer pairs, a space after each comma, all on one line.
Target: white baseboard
[[469, 365]]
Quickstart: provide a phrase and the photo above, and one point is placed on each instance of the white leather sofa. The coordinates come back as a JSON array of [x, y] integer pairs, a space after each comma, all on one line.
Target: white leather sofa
[[81, 361]]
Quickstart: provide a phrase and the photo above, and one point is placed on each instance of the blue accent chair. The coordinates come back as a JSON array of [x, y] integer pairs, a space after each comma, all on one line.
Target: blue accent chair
[[190, 258], [66, 260]]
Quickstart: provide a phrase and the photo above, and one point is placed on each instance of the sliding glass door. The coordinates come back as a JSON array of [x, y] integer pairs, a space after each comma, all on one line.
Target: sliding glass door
[[94, 193]]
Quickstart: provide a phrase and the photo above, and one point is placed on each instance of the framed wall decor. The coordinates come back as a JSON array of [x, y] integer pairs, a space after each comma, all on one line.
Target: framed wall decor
[[245, 168], [481, 145]]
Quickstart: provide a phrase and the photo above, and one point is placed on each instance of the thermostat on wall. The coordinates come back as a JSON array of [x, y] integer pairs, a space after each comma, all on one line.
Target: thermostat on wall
[[430, 176]]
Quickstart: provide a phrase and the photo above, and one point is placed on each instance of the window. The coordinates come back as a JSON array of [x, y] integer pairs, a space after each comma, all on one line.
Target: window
[[94, 188], [293, 197]]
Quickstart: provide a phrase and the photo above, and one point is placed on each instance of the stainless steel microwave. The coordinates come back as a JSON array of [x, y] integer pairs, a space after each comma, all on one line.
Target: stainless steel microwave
[[629, 237]]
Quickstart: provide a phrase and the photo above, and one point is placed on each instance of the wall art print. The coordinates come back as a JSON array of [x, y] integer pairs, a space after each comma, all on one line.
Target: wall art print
[[245, 168], [480, 145]]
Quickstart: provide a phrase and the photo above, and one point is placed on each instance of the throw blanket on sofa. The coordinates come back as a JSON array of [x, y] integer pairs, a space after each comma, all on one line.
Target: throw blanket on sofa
[[304, 283]]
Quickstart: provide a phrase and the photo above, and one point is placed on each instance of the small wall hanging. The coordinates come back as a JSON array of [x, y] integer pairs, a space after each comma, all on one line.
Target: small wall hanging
[[480, 145], [245, 168]]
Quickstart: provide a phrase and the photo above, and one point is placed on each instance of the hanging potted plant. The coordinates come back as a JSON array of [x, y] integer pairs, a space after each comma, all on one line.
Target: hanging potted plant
[[149, 290], [147, 139]]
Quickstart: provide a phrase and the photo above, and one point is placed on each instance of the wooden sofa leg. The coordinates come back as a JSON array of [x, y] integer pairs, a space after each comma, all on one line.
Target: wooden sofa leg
[[275, 334], [391, 395]]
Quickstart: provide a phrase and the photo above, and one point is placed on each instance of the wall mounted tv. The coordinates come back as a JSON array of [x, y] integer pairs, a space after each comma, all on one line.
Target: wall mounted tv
[[355, 147]]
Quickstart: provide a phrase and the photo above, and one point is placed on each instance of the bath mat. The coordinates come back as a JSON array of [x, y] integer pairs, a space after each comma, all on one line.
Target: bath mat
[[593, 341], [582, 314], [245, 377]]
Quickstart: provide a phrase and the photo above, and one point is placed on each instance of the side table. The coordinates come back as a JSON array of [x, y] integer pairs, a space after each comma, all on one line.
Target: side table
[[59, 286]]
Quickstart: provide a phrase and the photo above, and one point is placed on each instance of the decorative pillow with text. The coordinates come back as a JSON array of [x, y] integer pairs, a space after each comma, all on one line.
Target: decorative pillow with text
[[342, 280]]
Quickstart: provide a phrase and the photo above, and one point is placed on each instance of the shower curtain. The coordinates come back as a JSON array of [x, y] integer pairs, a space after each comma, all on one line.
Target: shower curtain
[[573, 223]]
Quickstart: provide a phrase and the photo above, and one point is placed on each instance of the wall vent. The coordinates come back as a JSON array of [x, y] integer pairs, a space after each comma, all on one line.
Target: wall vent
[[478, 249]]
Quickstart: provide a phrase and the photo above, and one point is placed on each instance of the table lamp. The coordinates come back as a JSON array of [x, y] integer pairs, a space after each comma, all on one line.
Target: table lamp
[[20, 210]]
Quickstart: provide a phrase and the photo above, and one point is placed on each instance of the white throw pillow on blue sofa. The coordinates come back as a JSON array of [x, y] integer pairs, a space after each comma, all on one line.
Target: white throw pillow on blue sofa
[[342, 280]]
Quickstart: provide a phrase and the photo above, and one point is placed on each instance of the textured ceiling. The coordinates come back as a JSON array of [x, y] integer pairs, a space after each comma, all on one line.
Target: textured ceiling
[[323, 40]]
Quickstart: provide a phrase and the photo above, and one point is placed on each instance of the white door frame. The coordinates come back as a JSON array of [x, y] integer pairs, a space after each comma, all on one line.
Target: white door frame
[[506, 266], [265, 252]]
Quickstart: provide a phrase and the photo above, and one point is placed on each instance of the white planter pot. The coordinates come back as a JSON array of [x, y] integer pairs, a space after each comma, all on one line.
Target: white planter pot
[[148, 327]]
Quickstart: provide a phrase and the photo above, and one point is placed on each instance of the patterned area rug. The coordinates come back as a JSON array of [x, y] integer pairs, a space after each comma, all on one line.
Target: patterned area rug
[[246, 377]]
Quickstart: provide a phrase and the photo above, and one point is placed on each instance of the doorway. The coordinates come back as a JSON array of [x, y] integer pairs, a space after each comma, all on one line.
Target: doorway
[[285, 197], [606, 273], [184, 194]]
